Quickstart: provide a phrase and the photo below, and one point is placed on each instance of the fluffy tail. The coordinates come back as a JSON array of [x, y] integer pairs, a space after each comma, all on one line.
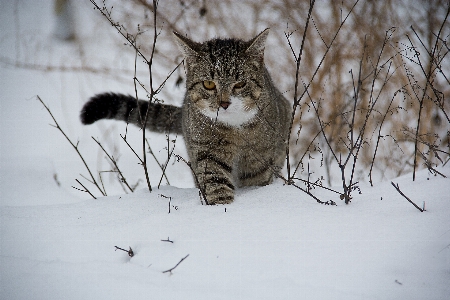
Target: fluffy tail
[[161, 118]]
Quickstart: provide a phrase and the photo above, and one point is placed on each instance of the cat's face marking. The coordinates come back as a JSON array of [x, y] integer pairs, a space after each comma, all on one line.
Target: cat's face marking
[[224, 77], [232, 105], [237, 112]]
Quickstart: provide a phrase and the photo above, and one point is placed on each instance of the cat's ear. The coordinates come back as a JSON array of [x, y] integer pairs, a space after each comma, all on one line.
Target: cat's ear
[[186, 46], [257, 44]]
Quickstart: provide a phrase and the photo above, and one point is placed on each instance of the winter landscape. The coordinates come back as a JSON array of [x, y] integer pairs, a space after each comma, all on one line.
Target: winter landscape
[[273, 242]]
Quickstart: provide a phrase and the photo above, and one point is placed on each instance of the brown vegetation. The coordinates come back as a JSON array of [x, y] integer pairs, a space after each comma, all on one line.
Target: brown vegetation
[[391, 53], [371, 95]]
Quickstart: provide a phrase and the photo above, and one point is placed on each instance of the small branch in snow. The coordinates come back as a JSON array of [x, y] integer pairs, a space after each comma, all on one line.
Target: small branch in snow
[[201, 189], [446, 247], [116, 167], [168, 240], [410, 201], [130, 252], [170, 270], [75, 146], [85, 189], [170, 204]]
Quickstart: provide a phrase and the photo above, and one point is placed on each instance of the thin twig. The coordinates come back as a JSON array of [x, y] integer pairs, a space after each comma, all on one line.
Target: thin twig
[[170, 204], [152, 94], [380, 136], [130, 251], [171, 269], [330, 202], [169, 155], [316, 185], [401, 193], [297, 73], [167, 240], [428, 83], [195, 177], [73, 145], [130, 38], [129, 146], [122, 178], [298, 99], [157, 161], [433, 56], [85, 189]]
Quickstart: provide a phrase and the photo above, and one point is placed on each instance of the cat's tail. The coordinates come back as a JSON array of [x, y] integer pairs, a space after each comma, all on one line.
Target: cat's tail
[[161, 117]]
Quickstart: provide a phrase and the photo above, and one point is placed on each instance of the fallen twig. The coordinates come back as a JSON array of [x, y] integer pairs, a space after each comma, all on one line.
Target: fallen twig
[[168, 240], [401, 193], [130, 252], [170, 270]]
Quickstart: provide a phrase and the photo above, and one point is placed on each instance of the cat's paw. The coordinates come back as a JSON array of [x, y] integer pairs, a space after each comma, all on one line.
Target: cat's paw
[[219, 199]]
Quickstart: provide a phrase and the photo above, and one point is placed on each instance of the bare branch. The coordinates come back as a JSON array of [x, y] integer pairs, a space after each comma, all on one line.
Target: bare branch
[[171, 269], [130, 251], [409, 200], [85, 189], [73, 145], [195, 177], [121, 177]]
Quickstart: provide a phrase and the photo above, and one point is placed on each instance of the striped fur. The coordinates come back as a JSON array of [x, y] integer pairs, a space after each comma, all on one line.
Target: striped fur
[[234, 121], [161, 118]]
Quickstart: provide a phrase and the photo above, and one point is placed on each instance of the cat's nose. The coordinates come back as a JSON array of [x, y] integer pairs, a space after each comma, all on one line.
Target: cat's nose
[[224, 100], [225, 104]]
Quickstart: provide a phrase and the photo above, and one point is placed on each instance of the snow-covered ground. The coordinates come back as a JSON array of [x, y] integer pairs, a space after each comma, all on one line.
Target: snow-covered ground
[[273, 242]]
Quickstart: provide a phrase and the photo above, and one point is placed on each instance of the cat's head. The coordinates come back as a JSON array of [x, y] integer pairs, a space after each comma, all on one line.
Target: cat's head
[[225, 77]]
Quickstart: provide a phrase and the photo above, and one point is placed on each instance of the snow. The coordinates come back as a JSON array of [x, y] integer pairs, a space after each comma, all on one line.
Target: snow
[[273, 242]]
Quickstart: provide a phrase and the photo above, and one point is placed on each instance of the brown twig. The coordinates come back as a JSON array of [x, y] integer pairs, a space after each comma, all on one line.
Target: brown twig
[[298, 99], [316, 185], [170, 203], [157, 161], [152, 94], [73, 145], [330, 202], [428, 74], [167, 240], [130, 251], [169, 155], [195, 177], [380, 136], [171, 269], [131, 39], [433, 56], [298, 60], [113, 160], [401, 193], [85, 189]]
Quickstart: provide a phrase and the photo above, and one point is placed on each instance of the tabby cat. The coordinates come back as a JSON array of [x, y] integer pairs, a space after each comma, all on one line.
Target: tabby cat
[[234, 121]]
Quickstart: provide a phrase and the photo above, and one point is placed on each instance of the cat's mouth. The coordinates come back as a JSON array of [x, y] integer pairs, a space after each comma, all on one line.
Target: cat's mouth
[[232, 112], [225, 104]]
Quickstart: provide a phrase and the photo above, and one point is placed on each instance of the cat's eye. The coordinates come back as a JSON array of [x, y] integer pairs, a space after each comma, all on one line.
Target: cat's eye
[[209, 85], [239, 85]]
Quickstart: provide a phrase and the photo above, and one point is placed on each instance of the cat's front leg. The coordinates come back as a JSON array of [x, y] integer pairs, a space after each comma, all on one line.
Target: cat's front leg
[[256, 166], [213, 170]]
